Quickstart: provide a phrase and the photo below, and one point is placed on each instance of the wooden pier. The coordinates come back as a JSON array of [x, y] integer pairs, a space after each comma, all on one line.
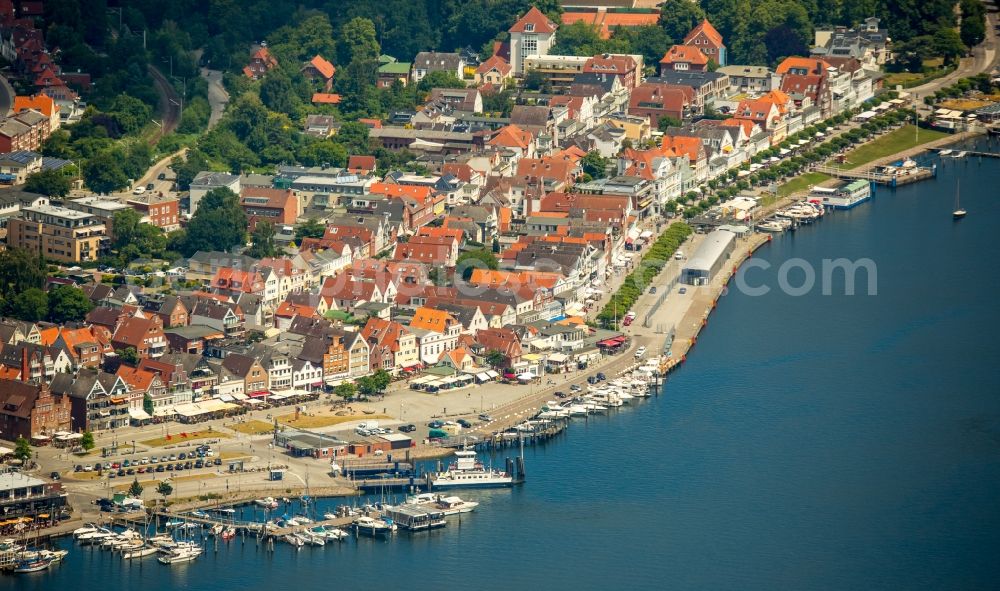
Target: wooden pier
[[970, 154]]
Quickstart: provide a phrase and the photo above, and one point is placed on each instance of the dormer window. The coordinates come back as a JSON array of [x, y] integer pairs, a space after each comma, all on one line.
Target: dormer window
[[529, 28]]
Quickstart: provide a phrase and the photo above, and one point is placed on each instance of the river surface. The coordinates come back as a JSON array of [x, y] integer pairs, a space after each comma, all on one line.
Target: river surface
[[809, 442]]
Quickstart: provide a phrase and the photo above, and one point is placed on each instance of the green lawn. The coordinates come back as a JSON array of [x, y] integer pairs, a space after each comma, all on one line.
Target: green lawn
[[801, 183], [901, 139]]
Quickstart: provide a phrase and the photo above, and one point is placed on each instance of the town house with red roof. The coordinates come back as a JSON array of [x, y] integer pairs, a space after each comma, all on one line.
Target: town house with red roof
[[654, 101], [683, 58], [806, 81], [261, 62], [319, 68], [709, 41], [494, 72], [436, 331], [626, 68], [144, 333], [280, 207]]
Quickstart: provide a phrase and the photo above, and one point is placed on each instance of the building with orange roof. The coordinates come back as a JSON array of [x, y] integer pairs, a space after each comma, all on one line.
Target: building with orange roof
[[706, 38], [627, 68], [654, 101], [607, 20], [261, 62], [693, 149], [85, 346], [392, 346], [277, 206], [494, 71], [558, 170], [419, 192], [442, 232], [141, 383], [360, 164], [325, 98], [457, 358], [683, 58], [806, 82], [436, 331], [513, 143], [760, 111], [288, 311], [318, 68], [532, 34], [41, 103]]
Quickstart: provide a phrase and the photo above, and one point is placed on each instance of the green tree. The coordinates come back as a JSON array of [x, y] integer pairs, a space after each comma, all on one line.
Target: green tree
[[20, 270], [128, 355], [262, 238], [367, 385], [668, 121], [311, 228], [147, 404], [187, 168], [87, 441], [124, 227], [595, 165], [678, 17], [31, 304], [475, 259], [22, 449], [48, 182], [650, 41], [345, 390], [948, 44], [579, 38], [439, 79], [277, 94], [382, 379], [496, 358], [973, 28], [130, 113], [164, 489], [135, 489], [354, 136], [219, 223], [357, 42], [104, 174], [68, 303]]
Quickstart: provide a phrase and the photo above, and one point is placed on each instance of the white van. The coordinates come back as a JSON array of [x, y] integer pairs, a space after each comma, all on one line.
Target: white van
[[368, 425]]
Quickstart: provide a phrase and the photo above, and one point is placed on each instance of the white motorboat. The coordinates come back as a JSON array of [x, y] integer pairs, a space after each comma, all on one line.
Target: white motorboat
[[53, 555], [32, 565], [293, 540], [267, 503], [86, 529], [329, 516], [771, 226], [468, 472], [372, 527], [455, 505], [140, 552], [180, 555], [313, 539], [95, 537], [302, 519]]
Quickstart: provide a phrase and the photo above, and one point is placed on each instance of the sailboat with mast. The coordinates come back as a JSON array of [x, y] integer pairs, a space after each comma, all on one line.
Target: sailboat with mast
[[959, 213]]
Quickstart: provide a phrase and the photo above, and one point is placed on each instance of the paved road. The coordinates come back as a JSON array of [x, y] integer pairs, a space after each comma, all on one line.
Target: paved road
[[983, 59], [218, 98]]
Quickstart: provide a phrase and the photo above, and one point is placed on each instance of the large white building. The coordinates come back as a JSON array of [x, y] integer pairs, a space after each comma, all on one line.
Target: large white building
[[532, 34]]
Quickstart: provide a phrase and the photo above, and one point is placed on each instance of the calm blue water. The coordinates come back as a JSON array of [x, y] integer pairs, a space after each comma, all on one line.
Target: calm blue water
[[815, 442]]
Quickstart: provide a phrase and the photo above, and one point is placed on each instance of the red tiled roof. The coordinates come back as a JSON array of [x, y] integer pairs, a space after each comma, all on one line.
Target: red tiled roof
[[494, 62], [684, 54], [535, 17], [323, 67], [710, 32], [361, 163], [326, 98], [512, 136]]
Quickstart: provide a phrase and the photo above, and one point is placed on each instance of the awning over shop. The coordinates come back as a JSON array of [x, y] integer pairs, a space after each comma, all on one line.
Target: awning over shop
[[194, 409], [226, 398], [558, 358], [526, 376], [239, 396], [138, 414]]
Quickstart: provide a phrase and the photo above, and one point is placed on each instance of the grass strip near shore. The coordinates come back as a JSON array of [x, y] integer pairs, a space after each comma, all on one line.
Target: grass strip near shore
[[801, 183], [180, 439], [152, 484], [648, 268], [252, 427], [899, 140], [317, 421]]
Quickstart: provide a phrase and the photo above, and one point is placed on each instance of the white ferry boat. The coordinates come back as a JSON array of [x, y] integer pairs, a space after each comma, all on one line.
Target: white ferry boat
[[845, 196], [467, 472]]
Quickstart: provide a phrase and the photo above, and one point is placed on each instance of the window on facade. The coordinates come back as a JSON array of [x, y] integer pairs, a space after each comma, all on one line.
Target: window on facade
[[530, 45]]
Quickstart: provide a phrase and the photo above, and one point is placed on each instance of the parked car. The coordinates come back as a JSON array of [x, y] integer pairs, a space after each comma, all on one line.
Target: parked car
[[601, 377], [435, 424], [149, 186], [407, 428], [112, 474], [181, 456], [485, 417], [199, 464], [139, 190], [640, 352], [170, 467], [592, 380], [575, 388], [172, 457], [130, 471], [218, 461], [560, 394], [160, 468], [162, 176], [652, 289], [78, 468], [54, 475], [144, 461], [121, 472], [682, 290], [464, 423]]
